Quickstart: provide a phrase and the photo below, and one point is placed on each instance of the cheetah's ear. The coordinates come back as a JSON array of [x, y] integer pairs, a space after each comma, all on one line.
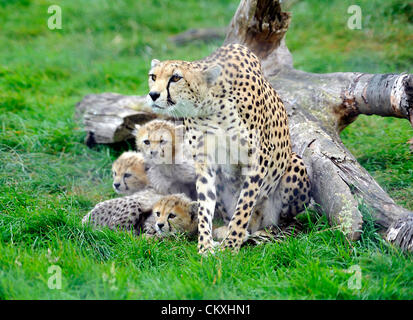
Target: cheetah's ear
[[154, 63], [211, 74], [193, 209]]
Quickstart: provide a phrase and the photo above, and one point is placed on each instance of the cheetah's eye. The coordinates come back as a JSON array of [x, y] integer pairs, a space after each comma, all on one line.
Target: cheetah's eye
[[127, 175], [153, 77], [175, 78], [162, 141], [158, 214], [171, 216], [147, 142]]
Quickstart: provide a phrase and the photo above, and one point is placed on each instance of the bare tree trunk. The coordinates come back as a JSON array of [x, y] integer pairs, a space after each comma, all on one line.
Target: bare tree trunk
[[319, 107]]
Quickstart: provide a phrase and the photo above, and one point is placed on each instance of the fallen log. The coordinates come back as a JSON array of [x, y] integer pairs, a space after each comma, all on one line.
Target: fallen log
[[111, 117]]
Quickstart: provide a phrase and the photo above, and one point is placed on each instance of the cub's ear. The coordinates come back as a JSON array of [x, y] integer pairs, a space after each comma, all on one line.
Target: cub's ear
[[193, 209], [211, 74], [135, 131], [135, 134], [154, 63]]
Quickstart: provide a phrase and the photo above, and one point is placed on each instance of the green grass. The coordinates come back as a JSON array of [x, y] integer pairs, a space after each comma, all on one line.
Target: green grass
[[49, 179]]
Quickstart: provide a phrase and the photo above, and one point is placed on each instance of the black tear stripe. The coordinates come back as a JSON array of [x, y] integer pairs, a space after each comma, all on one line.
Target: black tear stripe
[[168, 97]]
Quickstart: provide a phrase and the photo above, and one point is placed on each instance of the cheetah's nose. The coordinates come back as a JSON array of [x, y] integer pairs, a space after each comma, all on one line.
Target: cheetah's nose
[[160, 225], [154, 95], [116, 185]]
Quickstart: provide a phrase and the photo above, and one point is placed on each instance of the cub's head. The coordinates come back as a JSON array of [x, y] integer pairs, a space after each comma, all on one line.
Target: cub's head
[[179, 88], [159, 141], [175, 213], [129, 173]]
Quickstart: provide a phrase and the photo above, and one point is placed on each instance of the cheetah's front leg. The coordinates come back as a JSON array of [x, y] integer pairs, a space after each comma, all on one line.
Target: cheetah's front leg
[[205, 186]]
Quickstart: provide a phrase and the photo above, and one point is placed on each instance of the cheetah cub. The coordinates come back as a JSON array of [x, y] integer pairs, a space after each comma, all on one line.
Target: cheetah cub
[[131, 212], [170, 167], [129, 174], [175, 213]]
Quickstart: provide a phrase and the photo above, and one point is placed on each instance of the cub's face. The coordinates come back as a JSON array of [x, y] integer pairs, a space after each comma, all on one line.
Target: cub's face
[[156, 145], [177, 88], [129, 173], [175, 213], [158, 141]]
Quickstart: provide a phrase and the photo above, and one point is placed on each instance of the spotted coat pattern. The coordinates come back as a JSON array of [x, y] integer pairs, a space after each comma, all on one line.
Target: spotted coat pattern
[[127, 213], [226, 100]]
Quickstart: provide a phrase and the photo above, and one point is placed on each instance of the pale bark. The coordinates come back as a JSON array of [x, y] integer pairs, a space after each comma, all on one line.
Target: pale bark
[[111, 117]]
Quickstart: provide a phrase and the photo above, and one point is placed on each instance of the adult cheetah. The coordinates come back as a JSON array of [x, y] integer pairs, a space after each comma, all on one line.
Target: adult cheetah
[[230, 112]]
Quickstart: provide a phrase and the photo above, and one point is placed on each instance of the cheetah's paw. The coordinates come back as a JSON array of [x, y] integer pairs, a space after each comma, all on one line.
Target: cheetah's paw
[[208, 248]]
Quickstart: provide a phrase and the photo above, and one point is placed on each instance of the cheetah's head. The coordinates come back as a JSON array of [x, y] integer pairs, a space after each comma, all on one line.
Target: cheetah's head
[[129, 173], [175, 213], [179, 88]]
